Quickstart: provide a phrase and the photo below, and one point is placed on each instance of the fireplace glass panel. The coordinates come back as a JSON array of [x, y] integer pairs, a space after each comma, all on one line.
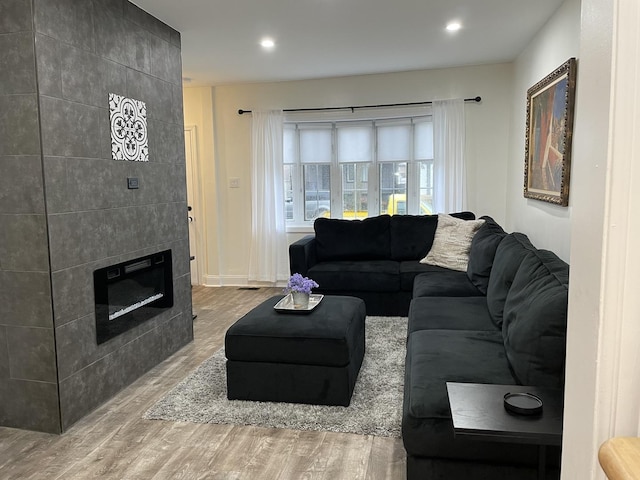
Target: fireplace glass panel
[[130, 293]]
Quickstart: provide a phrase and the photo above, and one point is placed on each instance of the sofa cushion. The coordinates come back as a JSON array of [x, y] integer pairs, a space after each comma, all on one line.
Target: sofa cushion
[[452, 242], [353, 276], [366, 239], [509, 254], [410, 269], [435, 357], [412, 235], [535, 320], [483, 251], [450, 313], [446, 283]]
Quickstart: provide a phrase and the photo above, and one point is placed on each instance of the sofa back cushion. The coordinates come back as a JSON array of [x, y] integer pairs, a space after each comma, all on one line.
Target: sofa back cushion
[[366, 239], [535, 320], [482, 253], [509, 254], [412, 235]]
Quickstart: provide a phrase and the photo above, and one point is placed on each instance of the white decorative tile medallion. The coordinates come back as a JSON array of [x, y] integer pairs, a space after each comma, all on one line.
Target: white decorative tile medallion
[[128, 129]]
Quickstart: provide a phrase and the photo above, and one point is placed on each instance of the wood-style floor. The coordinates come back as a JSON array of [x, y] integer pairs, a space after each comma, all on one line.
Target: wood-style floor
[[114, 442]]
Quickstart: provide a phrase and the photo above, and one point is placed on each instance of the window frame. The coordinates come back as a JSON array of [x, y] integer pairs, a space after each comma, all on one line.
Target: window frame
[[373, 170]]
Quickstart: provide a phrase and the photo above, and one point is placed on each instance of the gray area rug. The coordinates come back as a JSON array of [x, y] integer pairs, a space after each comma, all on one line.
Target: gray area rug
[[375, 409]]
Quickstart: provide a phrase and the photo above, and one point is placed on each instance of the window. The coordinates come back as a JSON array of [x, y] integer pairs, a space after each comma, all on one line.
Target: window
[[357, 169]]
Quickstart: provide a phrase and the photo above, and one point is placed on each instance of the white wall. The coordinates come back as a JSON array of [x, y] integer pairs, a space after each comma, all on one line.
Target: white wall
[[547, 225], [198, 112], [487, 138], [603, 366]]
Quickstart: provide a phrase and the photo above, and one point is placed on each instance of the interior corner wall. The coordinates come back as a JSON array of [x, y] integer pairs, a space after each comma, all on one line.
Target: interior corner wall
[[487, 138], [70, 210], [547, 225]]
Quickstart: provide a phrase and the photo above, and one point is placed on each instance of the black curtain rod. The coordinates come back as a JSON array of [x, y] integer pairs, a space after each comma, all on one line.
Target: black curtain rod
[[474, 99]]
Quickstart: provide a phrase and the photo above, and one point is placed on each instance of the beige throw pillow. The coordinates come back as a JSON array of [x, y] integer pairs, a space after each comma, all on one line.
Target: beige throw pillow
[[452, 242]]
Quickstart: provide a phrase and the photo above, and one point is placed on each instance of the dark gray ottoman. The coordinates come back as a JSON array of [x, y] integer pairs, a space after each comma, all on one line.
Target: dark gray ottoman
[[281, 357]]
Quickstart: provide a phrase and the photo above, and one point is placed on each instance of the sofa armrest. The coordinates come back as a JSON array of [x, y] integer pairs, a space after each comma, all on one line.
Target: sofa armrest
[[302, 255]]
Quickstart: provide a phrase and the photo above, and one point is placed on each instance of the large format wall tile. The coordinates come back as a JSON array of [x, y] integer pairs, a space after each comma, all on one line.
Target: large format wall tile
[[132, 228], [176, 333], [73, 293], [31, 354], [70, 21], [17, 74], [156, 93], [25, 299], [48, 62], [88, 79], [181, 259], [23, 243], [85, 390], [21, 185], [15, 16], [4, 354], [172, 221], [166, 142], [72, 184], [70, 129], [77, 340], [55, 174], [30, 405], [119, 39], [19, 129], [148, 22], [177, 105], [78, 237], [176, 38], [166, 62]]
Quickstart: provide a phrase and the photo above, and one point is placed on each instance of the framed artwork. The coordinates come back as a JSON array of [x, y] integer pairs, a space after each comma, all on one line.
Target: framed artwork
[[550, 104]]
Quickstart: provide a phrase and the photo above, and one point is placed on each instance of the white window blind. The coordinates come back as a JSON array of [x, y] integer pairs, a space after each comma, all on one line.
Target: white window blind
[[355, 143]]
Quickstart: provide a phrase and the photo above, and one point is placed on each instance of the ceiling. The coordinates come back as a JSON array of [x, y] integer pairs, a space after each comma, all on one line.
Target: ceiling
[[330, 38]]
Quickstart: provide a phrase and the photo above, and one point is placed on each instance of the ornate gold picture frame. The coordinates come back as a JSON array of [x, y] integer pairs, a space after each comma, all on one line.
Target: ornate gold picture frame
[[550, 104]]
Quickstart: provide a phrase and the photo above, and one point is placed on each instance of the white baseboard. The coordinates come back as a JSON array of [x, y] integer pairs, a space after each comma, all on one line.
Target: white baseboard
[[236, 281]]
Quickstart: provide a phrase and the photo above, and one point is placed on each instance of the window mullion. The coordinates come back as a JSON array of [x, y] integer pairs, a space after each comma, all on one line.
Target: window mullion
[[336, 175], [374, 175], [298, 205], [413, 177]]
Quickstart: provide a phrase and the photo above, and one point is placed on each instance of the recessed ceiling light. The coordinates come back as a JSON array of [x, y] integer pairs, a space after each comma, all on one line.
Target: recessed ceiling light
[[453, 26], [267, 43]]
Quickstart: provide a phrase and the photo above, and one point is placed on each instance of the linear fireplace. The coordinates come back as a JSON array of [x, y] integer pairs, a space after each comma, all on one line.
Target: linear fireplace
[[130, 293]]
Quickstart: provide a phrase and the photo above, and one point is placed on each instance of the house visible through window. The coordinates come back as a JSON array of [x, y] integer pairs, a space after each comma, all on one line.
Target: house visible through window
[[357, 169]]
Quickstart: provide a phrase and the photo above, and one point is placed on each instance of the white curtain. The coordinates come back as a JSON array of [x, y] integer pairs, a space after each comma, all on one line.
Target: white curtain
[[268, 257], [449, 177]]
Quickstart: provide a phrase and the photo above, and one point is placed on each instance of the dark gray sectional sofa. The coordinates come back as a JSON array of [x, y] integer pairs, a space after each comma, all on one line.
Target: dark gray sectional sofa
[[376, 259], [503, 321]]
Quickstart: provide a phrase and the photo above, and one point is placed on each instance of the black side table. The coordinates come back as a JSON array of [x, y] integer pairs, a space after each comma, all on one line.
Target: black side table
[[478, 412]]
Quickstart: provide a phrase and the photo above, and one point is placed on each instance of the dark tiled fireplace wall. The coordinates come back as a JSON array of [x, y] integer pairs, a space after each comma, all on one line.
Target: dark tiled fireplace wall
[[65, 209]]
